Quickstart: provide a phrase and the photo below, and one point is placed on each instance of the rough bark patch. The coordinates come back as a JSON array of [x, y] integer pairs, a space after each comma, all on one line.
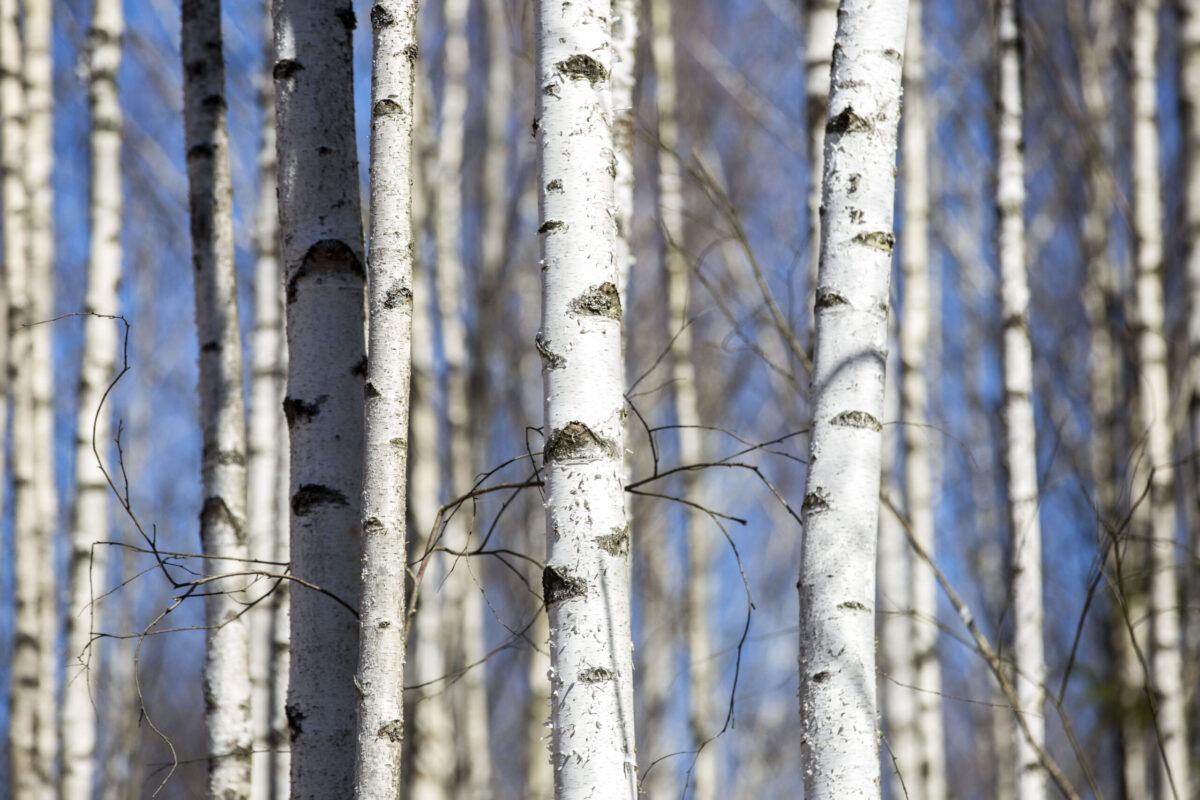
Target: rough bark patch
[[821, 677], [297, 410], [555, 185], [615, 543], [550, 359], [396, 296], [381, 17], [392, 730], [828, 298], [312, 495], [295, 718], [853, 604], [815, 501], [387, 107], [599, 301], [595, 675], [847, 122], [285, 69], [576, 442], [325, 258], [582, 67], [880, 240], [561, 585], [856, 419], [551, 225]]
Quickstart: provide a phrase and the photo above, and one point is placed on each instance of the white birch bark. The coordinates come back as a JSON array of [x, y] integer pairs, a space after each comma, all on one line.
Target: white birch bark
[[431, 729], [39, 165], [585, 582], [698, 600], [625, 34], [26, 780], [389, 301], [915, 342], [1020, 449], [266, 434], [222, 420], [820, 18], [1154, 402], [839, 749], [89, 512], [321, 237]]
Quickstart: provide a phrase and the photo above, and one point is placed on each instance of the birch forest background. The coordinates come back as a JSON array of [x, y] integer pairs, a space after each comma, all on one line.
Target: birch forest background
[[600, 399]]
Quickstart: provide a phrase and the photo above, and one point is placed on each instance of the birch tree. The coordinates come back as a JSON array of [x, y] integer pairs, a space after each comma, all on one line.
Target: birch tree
[[930, 774], [625, 34], [1020, 448], [1154, 403], [321, 236], [839, 750], [266, 452], [25, 778], [222, 421], [585, 582], [820, 26], [389, 300], [686, 406], [89, 512]]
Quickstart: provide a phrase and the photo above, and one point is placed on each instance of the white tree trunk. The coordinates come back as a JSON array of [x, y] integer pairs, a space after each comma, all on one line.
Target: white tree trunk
[[699, 540], [385, 481], [87, 566], [321, 234], [265, 524], [1020, 450], [1154, 399], [585, 582], [26, 779], [222, 420], [915, 342], [39, 165], [839, 749], [820, 18], [625, 34]]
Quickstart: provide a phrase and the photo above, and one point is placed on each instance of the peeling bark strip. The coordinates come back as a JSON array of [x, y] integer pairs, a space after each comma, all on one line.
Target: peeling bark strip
[[321, 233], [89, 512], [592, 739], [223, 467], [385, 465], [839, 744]]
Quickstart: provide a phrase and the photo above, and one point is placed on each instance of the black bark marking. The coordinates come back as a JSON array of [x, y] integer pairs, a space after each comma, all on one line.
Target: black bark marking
[[595, 675], [295, 718], [828, 298], [821, 677], [286, 69], [551, 225], [555, 185], [381, 17], [392, 730], [387, 107], [576, 442], [847, 122], [853, 604], [815, 501], [880, 240], [550, 359], [599, 301], [297, 410], [359, 370], [312, 495], [370, 392], [615, 543], [397, 296], [372, 525], [327, 257], [582, 67], [856, 419], [561, 585]]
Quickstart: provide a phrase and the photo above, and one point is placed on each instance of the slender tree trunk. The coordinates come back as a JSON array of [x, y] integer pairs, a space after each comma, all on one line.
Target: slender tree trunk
[[321, 234], [1154, 397], [265, 525], [39, 166], [539, 777], [389, 299], [820, 26], [687, 416], [839, 749], [25, 778], [585, 582], [915, 342], [222, 420], [624, 77], [431, 739], [88, 562], [469, 693], [1021, 444]]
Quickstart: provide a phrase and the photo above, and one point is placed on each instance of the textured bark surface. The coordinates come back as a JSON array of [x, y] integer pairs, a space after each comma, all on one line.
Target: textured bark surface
[[839, 749], [625, 33], [87, 565], [1020, 448], [267, 460], [585, 581], [1154, 404], [222, 420], [820, 20], [390, 303], [929, 777], [321, 236]]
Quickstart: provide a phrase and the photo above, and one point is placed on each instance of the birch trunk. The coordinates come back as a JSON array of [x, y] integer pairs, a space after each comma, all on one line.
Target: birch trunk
[[266, 439], [686, 407], [321, 234], [1154, 397], [839, 750], [1020, 450], [89, 513], [625, 34], [585, 582], [25, 777], [389, 299], [431, 740], [821, 26], [915, 342], [222, 420], [39, 166]]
